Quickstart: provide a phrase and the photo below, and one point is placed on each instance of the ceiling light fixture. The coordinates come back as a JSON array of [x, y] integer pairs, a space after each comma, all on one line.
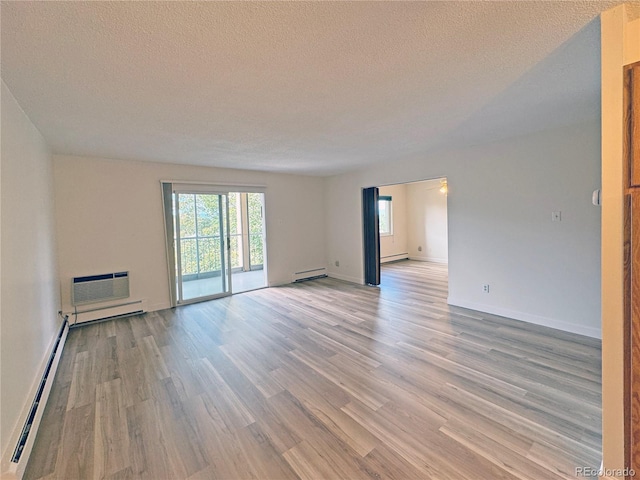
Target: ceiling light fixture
[[444, 189]]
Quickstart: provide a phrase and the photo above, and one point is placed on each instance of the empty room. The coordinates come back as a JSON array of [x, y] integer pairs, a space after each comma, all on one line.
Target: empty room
[[320, 240]]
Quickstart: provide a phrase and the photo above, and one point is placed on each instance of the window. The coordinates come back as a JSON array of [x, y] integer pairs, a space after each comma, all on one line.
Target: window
[[385, 215]]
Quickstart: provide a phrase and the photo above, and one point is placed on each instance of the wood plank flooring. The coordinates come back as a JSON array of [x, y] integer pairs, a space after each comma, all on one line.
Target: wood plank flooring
[[323, 380]]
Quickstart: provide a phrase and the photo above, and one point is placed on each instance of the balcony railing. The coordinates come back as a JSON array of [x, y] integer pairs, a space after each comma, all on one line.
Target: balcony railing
[[201, 255]]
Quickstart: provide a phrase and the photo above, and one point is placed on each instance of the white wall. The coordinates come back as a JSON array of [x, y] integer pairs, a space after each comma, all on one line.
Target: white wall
[[109, 218], [394, 247], [29, 278], [501, 196], [427, 222]]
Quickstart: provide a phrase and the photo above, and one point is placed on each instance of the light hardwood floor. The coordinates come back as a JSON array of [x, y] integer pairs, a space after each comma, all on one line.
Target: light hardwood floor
[[323, 380]]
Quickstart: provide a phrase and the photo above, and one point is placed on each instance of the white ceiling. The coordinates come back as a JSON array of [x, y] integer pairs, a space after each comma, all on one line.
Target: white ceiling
[[302, 87]]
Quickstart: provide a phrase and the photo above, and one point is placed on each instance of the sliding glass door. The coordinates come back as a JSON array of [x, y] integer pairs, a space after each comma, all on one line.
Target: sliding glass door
[[202, 245], [215, 241]]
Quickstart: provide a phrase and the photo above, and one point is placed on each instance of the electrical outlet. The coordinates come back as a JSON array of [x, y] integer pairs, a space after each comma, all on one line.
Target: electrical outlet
[[337, 263], [485, 288], [419, 249], [556, 216]]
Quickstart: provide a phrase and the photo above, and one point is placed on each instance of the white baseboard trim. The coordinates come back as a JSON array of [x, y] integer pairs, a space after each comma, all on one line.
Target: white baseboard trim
[[346, 278], [8, 469], [429, 259], [527, 317], [159, 306]]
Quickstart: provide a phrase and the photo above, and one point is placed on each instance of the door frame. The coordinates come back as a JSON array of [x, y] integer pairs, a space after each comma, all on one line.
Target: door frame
[[167, 188]]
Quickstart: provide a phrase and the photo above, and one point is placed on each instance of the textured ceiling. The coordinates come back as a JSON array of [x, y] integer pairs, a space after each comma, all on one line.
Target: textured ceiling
[[301, 87]]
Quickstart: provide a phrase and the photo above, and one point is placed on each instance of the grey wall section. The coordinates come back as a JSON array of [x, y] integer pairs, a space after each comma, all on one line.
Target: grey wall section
[[501, 196], [29, 278]]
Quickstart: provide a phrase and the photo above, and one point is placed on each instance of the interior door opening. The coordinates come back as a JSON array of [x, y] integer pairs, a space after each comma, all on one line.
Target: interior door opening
[[405, 221]]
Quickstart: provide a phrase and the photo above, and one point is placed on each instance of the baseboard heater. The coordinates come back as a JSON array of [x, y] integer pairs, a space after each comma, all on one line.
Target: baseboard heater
[[395, 258], [24, 445], [309, 274], [108, 312]]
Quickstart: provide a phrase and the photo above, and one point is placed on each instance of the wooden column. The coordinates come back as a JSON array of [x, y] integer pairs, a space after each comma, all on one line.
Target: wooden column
[[632, 261]]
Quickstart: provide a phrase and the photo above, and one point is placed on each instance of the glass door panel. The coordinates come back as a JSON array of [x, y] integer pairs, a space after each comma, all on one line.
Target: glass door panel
[[201, 243], [235, 232], [256, 236], [252, 275]]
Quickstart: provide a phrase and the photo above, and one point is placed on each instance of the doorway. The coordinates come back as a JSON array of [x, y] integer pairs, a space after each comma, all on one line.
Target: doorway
[[215, 242], [405, 221]]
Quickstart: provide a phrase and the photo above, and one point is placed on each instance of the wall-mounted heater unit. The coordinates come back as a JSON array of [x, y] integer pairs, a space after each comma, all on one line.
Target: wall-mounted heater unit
[[99, 288], [106, 287]]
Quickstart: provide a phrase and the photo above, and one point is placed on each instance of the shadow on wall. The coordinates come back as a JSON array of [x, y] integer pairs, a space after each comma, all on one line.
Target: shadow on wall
[[570, 80]]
